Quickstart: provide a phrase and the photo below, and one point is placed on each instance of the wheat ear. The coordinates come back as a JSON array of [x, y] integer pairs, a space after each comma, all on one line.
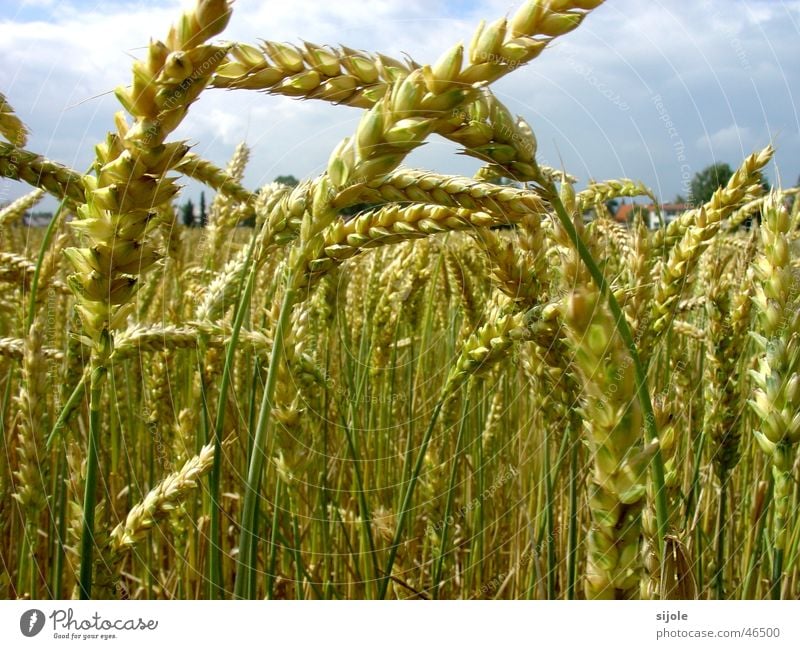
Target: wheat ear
[[776, 395], [11, 126], [613, 423]]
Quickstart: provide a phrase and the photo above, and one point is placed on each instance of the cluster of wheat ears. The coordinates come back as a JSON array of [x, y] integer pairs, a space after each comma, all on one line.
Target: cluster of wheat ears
[[444, 396]]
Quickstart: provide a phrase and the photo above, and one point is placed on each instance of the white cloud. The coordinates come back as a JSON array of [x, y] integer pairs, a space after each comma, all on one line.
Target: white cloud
[[726, 139]]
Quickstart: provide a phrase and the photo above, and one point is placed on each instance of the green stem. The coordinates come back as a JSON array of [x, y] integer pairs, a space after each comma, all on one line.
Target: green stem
[[67, 410], [451, 489], [406, 504], [366, 515], [572, 532], [777, 573], [477, 563], [325, 496], [27, 558], [298, 557], [256, 463], [750, 582], [253, 585], [215, 549], [699, 537], [90, 491], [719, 576], [693, 497], [60, 525], [273, 540], [549, 524]]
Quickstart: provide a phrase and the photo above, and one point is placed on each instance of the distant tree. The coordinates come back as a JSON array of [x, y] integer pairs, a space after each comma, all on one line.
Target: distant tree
[[612, 206], [250, 221], [707, 181], [203, 216], [758, 216], [187, 213], [289, 180]]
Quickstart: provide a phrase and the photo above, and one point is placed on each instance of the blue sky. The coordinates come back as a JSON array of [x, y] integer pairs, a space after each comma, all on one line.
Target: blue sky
[[651, 90]]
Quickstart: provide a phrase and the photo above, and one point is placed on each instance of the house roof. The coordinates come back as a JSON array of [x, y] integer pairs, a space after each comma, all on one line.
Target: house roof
[[623, 213]]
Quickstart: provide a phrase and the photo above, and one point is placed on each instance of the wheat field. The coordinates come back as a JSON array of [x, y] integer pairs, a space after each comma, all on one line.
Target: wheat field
[[387, 382]]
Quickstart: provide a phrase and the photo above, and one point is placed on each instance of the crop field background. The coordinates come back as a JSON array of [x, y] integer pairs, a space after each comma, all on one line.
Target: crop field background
[[383, 382]]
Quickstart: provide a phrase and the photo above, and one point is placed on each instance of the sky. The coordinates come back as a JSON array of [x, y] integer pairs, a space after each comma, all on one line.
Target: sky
[[652, 90]]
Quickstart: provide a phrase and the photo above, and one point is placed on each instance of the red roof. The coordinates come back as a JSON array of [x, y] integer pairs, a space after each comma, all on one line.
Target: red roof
[[623, 213]]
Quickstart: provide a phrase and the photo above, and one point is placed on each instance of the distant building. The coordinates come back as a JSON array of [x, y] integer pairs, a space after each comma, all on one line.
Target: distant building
[[669, 212], [624, 213]]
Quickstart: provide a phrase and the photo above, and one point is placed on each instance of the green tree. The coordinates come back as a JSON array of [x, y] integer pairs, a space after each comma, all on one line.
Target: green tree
[[706, 182], [289, 180], [187, 213], [203, 215]]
